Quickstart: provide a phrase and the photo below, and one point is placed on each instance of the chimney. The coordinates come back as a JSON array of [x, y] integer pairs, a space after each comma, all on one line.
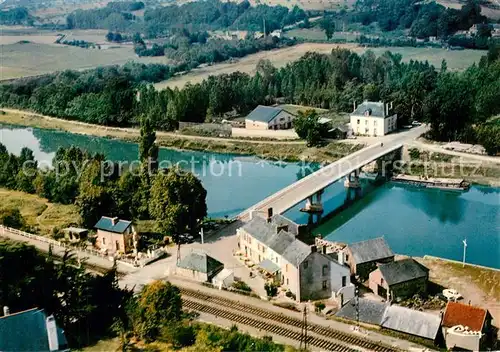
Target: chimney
[[114, 220], [52, 333], [340, 258], [6, 311], [269, 214], [314, 249]]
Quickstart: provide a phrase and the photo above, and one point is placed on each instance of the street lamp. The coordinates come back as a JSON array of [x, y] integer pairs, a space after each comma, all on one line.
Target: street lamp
[[465, 248]]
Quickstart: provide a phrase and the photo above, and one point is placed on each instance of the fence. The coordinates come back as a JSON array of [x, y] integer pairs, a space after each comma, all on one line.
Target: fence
[[152, 254]]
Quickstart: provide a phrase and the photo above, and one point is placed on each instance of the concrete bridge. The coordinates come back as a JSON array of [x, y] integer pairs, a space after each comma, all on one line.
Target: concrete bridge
[[314, 184]]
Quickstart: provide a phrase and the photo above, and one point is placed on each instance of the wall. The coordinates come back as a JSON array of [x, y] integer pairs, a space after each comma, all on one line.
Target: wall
[[467, 342], [256, 125], [282, 121], [373, 126], [111, 238], [375, 280], [191, 274], [409, 288]]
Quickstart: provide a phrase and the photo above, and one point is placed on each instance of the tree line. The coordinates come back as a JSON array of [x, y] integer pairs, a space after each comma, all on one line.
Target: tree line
[[454, 102], [89, 307], [195, 16], [16, 16], [174, 198]]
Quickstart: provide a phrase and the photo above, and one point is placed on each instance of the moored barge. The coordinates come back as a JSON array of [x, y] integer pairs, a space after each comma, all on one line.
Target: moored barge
[[448, 184]]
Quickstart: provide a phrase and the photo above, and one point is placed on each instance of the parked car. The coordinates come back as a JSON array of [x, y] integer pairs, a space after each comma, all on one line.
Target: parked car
[[451, 294], [416, 123]]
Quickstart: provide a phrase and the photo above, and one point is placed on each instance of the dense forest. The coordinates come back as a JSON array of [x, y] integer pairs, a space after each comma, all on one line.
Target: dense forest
[[90, 307], [193, 16], [16, 16]]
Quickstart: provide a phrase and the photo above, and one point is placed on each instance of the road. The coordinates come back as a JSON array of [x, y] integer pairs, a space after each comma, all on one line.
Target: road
[[311, 184]]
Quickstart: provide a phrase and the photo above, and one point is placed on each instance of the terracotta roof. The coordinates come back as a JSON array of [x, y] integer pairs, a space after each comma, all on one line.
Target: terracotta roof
[[463, 314]]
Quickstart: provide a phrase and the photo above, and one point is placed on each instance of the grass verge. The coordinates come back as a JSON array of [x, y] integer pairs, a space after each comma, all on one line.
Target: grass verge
[[38, 212]]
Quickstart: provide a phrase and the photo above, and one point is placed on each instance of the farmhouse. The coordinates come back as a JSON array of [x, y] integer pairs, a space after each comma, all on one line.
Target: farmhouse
[[362, 257], [373, 119], [31, 330], [199, 266], [269, 118], [466, 327], [400, 279], [115, 235], [293, 264]]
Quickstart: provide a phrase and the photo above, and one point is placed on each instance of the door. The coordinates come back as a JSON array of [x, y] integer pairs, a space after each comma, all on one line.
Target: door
[[381, 291]]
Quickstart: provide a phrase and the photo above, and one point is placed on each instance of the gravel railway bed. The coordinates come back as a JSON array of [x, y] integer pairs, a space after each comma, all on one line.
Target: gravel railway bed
[[288, 320], [262, 325]]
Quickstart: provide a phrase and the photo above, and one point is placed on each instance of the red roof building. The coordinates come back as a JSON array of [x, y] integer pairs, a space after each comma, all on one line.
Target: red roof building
[[462, 314]]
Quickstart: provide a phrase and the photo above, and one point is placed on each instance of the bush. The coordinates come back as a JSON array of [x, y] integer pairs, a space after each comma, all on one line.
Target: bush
[[319, 306], [287, 305], [240, 285], [289, 294], [414, 153], [271, 289], [11, 217]]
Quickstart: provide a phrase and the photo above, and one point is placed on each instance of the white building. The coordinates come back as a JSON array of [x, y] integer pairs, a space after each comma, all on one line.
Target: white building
[[269, 118], [308, 274], [373, 119]]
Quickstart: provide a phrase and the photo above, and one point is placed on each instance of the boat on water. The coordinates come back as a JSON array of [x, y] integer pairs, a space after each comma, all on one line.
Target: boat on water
[[447, 184]]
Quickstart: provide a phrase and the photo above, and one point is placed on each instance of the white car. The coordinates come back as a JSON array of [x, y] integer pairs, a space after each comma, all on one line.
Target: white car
[[451, 294]]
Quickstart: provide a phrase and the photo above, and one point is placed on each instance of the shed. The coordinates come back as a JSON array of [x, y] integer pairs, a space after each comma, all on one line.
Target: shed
[[412, 322], [370, 311], [75, 233], [199, 266], [224, 279]]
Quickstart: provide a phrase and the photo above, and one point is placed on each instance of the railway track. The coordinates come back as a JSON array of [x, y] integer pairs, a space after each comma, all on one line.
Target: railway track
[[269, 327], [323, 331]]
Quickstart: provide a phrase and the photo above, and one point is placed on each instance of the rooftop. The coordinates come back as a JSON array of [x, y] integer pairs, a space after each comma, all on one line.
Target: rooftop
[[402, 270], [264, 113], [373, 109], [411, 322], [112, 224], [370, 250], [463, 314], [199, 261], [370, 311], [27, 331]]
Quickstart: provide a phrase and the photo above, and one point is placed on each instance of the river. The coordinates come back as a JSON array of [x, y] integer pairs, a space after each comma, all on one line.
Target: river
[[414, 222]]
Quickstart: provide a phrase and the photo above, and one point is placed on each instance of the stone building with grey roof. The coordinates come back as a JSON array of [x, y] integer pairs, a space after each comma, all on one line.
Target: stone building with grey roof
[[198, 266], [400, 279], [363, 257], [116, 235], [373, 119], [295, 265]]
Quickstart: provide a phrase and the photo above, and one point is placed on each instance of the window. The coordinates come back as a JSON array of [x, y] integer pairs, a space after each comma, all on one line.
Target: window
[[324, 285], [117, 245], [306, 264], [287, 282], [276, 259], [103, 240], [358, 122], [250, 240], [325, 270], [259, 259], [347, 257], [344, 281]]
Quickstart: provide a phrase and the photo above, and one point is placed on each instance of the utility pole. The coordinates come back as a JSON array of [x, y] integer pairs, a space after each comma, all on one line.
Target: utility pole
[[356, 291], [303, 332], [465, 248]]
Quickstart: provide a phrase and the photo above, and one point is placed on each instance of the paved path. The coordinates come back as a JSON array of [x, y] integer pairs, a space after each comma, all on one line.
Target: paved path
[[311, 184]]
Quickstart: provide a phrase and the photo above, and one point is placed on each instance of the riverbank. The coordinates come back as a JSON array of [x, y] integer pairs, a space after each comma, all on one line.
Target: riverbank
[[266, 149]]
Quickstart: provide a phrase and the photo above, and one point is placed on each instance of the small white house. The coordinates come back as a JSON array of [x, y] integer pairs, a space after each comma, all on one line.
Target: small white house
[[373, 119], [269, 118], [224, 279]]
